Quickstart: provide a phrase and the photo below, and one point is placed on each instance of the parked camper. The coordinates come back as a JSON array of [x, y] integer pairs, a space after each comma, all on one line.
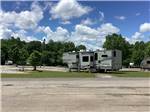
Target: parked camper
[[108, 60], [145, 64], [86, 60], [71, 59], [94, 60]]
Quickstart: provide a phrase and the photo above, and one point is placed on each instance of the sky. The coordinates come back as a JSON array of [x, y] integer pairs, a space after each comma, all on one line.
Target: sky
[[83, 22]]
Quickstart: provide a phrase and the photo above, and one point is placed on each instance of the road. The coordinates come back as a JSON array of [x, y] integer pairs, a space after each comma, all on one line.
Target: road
[[76, 95]]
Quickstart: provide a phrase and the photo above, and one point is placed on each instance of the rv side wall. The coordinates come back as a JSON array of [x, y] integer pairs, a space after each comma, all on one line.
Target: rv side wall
[[104, 60], [71, 59], [116, 60]]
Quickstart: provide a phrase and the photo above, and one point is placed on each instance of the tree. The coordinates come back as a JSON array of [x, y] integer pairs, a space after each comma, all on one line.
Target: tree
[[14, 54], [48, 58], [4, 53], [147, 49], [23, 57], [69, 46], [138, 53], [116, 41], [80, 47], [35, 59], [34, 45], [137, 57], [10, 49]]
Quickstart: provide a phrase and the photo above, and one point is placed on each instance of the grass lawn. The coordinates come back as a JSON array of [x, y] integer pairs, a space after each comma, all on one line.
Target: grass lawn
[[130, 74], [52, 74], [46, 74]]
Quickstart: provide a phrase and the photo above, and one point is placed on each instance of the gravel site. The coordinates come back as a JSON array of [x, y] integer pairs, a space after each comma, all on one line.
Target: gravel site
[[100, 94], [76, 95]]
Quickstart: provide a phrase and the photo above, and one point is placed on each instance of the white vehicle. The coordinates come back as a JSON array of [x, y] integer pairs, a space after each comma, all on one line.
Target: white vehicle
[[94, 60], [145, 64], [9, 62]]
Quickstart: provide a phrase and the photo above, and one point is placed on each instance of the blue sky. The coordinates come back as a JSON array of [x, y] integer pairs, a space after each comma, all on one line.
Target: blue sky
[[84, 22]]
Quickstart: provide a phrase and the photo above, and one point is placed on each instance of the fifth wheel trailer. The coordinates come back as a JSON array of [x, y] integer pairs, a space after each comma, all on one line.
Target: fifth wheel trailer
[[106, 60]]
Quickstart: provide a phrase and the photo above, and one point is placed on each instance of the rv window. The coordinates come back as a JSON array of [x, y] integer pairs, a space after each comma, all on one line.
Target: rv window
[[114, 53], [148, 62], [104, 56], [77, 56], [96, 56], [91, 58], [85, 58]]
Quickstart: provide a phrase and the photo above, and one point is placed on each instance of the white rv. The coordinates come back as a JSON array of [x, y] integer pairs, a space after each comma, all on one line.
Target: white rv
[[108, 60], [94, 60], [145, 64], [79, 60], [71, 59]]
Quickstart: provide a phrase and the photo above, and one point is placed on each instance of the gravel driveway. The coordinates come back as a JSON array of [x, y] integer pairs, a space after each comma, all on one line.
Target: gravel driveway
[[76, 95]]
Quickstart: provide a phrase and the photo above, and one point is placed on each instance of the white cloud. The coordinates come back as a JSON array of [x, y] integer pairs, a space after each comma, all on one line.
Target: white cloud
[[24, 19], [15, 24], [120, 17], [67, 9], [85, 32], [137, 36], [145, 27], [60, 34], [93, 38], [47, 5], [5, 32], [101, 16], [22, 34], [65, 22], [138, 14], [87, 21], [108, 28], [47, 30]]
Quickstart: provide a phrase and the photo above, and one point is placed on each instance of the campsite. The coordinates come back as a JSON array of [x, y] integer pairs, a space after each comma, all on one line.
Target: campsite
[[74, 56]]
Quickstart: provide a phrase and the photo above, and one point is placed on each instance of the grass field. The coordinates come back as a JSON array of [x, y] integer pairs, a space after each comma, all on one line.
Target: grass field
[[46, 74], [130, 74], [52, 74]]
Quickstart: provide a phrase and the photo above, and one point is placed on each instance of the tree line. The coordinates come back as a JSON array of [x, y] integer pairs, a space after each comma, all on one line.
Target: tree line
[[50, 54], [35, 52]]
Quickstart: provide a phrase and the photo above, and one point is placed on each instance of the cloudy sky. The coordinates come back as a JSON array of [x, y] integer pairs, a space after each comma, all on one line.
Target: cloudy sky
[[83, 22]]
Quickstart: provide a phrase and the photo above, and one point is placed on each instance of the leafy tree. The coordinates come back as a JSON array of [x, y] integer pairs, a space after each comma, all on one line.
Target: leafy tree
[[69, 46], [147, 49], [35, 59], [23, 56], [48, 58], [14, 54], [51, 46], [137, 57], [58, 58], [80, 47], [138, 53], [4, 53], [34, 45]]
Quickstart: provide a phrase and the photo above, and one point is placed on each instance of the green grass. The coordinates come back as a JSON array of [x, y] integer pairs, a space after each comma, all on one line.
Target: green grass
[[48, 74], [52, 74], [130, 74]]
